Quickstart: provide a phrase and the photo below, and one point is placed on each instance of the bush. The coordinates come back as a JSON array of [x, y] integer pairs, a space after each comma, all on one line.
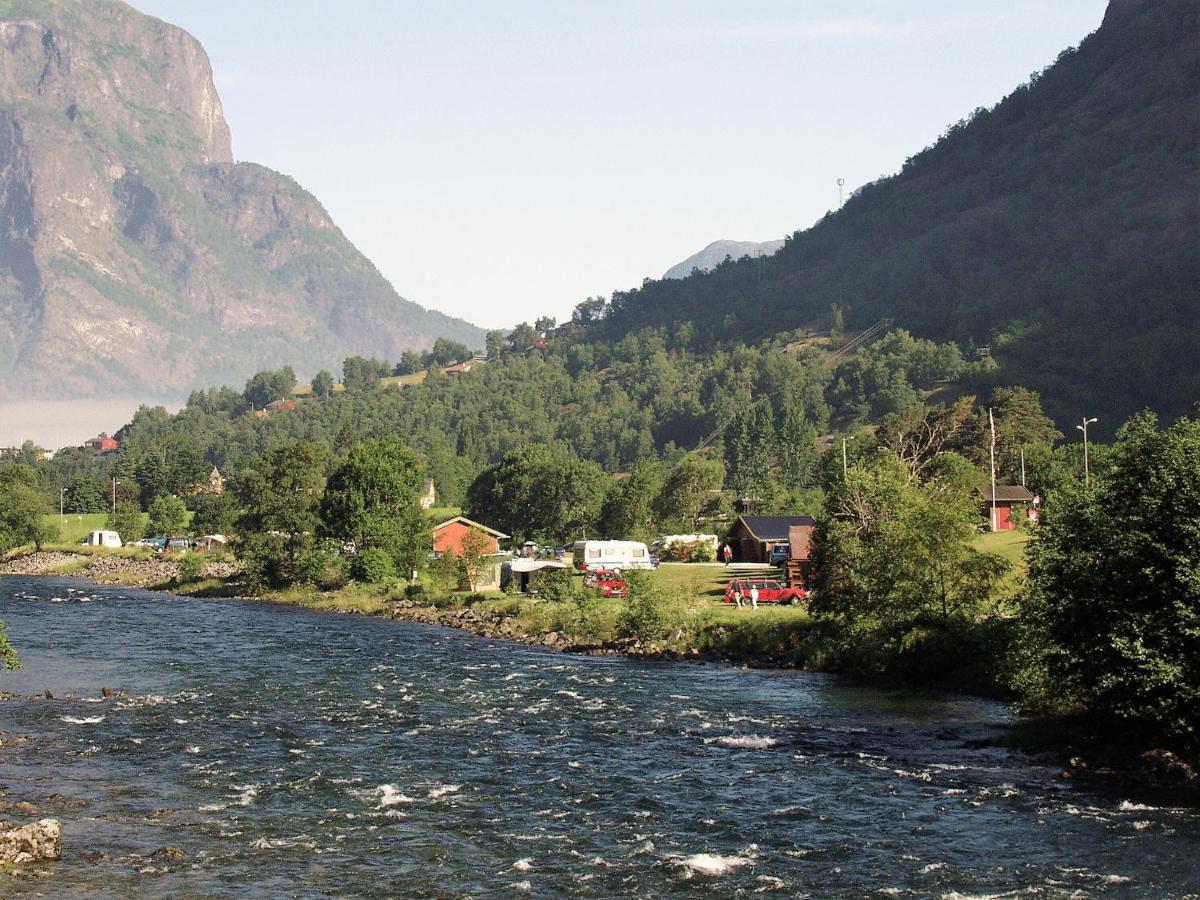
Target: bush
[[192, 566], [375, 566], [642, 619]]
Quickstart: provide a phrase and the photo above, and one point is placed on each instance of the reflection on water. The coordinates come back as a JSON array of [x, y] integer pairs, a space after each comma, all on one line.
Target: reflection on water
[[288, 752], [68, 423]]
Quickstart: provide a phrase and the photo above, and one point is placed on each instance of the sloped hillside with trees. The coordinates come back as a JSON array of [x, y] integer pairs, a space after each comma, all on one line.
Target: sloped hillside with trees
[[1059, 229]]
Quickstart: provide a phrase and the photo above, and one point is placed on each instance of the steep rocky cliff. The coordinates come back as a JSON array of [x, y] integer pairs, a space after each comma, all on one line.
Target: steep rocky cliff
[[135, 255]]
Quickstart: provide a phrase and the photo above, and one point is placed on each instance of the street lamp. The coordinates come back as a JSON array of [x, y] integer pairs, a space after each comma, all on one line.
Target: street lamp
[[1087, 472], [116, 481]]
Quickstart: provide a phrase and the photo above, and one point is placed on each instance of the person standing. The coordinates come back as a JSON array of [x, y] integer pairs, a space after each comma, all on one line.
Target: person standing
[[727, 553], [754, 596]]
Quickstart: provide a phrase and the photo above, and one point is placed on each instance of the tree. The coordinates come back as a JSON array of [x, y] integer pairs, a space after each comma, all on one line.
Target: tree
[[1020, 425], [522, 337], [628, 509], [409, 364], [280, 497], [921, 432], [538, 493], [475, 545], [322, 385], [446, 352], [543, 324], [494, 344], [371, 500], [268, 386], [360, 373], [126, 520], [168, 515], [1112, 610], [23, 508], [894, 572], [692, 491], [215, 513]]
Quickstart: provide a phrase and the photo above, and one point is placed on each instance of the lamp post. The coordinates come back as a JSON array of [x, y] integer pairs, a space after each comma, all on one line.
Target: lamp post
[[1087, 472], [116, 481]]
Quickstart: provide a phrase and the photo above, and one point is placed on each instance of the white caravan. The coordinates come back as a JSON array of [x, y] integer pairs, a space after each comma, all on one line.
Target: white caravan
[[102, 539], [615, 555]]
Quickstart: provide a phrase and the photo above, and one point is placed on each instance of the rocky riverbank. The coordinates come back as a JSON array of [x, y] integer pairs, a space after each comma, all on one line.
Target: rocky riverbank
[[134, 571]]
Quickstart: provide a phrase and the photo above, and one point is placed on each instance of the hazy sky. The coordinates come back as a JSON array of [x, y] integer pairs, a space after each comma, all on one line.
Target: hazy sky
[[505, 160]]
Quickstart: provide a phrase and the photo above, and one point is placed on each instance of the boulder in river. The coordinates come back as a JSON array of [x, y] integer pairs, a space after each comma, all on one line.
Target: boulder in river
[[39, 840]]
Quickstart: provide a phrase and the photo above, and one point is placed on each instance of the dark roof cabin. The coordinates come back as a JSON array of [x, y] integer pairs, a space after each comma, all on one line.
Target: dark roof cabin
[[1007, 496], [751, 537]]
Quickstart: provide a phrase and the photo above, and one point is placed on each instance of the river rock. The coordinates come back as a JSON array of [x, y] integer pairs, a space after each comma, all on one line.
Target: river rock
[[168, 854], [38, 840]]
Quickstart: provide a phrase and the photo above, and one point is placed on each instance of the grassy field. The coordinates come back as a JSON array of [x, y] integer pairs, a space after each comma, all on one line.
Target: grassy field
[[399, 381], [76, 527]]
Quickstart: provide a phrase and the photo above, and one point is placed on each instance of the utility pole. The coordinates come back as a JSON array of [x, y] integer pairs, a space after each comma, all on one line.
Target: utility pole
[[992, 448], [841, 183], [1087, 471], [1023, 467], [114, 497], [844, 466], [62, 515]]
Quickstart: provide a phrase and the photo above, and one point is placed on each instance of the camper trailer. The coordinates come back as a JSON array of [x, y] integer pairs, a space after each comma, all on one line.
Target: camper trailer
[[102, 539], [613, 555]]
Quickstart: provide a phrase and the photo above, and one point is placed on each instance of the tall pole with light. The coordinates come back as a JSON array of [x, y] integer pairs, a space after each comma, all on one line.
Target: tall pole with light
[[116, 481], [1087, 471], [62, 508]]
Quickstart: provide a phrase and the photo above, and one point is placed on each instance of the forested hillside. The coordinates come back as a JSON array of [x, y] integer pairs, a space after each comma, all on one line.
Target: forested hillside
[[1059, 229]]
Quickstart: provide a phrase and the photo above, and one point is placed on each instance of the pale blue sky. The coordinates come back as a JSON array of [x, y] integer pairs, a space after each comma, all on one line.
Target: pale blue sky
[[505, 160]]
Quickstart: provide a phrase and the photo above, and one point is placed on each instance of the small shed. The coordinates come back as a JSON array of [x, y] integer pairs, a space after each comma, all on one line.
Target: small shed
[[1007, 496], [752, 537]]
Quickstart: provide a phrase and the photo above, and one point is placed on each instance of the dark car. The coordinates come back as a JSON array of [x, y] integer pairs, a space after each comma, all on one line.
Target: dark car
[[779, 554], [768, 591]]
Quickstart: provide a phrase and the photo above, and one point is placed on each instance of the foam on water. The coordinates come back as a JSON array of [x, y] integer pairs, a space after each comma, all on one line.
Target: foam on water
[[85, 720], [713, 864], [744, 742]]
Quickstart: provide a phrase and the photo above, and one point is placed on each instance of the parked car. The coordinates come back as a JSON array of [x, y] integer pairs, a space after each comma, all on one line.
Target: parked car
[[608, 582], [768, 592], [779, 554]]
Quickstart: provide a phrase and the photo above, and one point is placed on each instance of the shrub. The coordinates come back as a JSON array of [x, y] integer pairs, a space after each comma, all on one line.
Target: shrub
[[642, 619], [191, 566], [375, 566]]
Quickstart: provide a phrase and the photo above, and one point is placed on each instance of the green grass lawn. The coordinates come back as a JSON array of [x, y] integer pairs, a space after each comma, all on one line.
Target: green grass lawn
[[439, 514], [76, 527], [1009, 544]]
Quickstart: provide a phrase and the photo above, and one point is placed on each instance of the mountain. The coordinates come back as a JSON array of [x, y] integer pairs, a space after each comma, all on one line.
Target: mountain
[[714, 254], [135, 254], [1058, 229]]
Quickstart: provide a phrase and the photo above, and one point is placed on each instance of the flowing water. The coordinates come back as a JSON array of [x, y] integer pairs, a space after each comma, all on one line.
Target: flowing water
[[294, 753]]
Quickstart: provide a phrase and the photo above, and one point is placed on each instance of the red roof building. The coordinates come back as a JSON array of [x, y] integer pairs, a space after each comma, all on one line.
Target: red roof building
[[449, 535], [102, 444]]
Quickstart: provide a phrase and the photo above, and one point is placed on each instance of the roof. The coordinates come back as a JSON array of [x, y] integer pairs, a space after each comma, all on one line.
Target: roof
[[1006, 493], [536, 565], [773, 528], [465, 521]]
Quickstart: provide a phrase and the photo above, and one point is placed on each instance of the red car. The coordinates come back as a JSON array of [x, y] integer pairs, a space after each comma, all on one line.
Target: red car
[[768, 592], [609, 583]]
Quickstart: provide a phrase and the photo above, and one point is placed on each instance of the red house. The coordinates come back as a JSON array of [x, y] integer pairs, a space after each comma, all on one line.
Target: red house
[[102, 444], [1007, 496], [448, 536]]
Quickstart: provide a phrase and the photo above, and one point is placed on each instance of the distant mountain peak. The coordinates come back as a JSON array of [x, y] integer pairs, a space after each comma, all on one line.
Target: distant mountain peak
[[716, 252]]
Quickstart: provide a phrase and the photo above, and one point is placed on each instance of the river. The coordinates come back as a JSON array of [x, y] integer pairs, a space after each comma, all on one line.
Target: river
[[288, 752]]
